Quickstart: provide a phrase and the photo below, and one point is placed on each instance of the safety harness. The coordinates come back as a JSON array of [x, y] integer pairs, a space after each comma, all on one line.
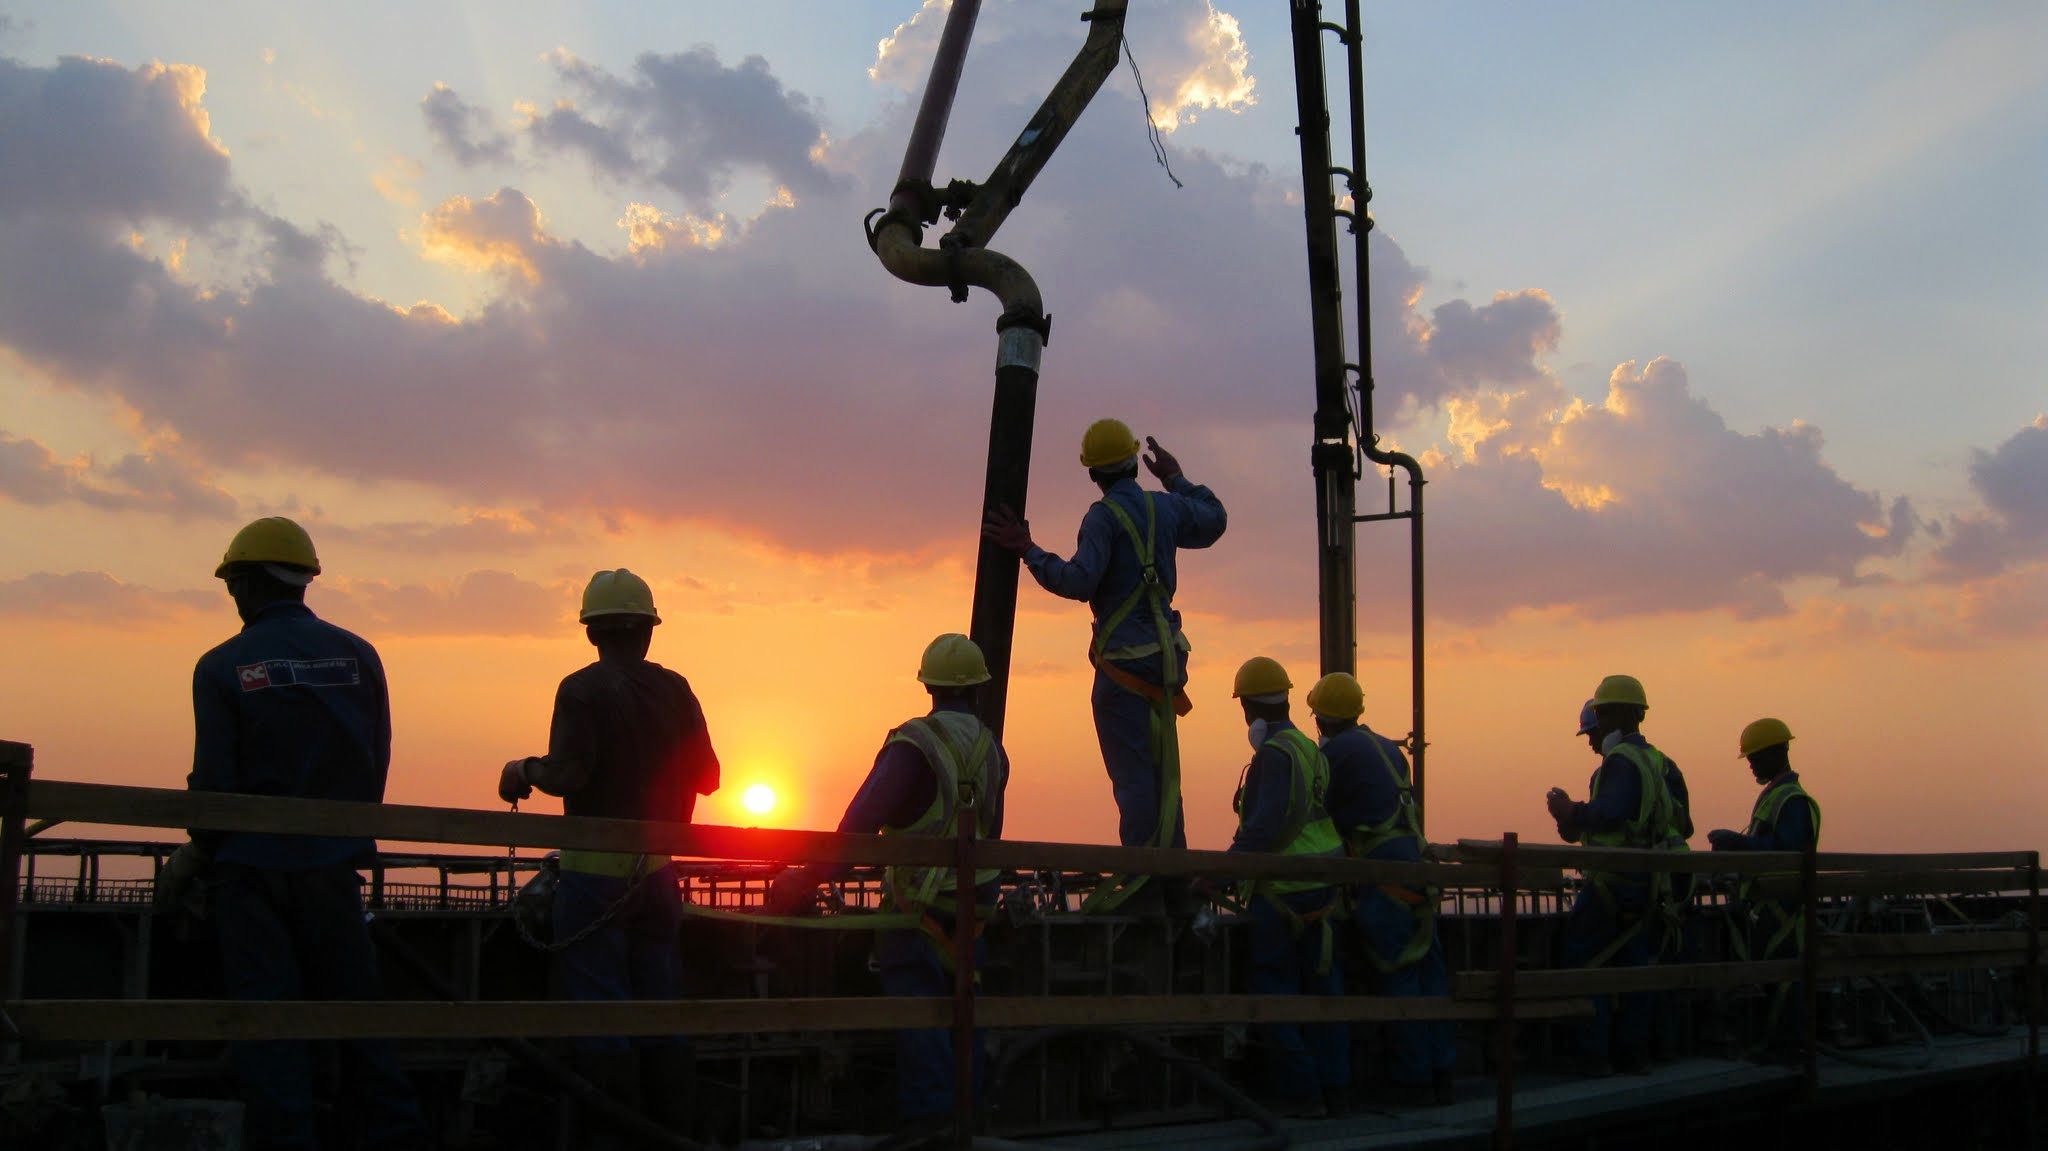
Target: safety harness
[[1309, 830], [1402, 823], [1648, 828], [1168, 698]]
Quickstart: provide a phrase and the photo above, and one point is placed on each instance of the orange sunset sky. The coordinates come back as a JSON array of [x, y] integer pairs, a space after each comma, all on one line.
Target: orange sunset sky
[[1737, 388]]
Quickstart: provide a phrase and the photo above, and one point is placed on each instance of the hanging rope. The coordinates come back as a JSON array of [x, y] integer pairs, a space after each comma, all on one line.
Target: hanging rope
[[1151, 128]]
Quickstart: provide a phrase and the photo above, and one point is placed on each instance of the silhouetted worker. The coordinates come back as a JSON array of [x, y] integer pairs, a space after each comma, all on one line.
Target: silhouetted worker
[[1373, 806], [628, 741], [1124, 567], [1785, 818], [931, 772], [1282, 807], [293, 706], [1628, 805]]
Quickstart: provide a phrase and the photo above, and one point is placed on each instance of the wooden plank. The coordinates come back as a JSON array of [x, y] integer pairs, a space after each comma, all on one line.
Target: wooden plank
[[1901, 964], [1896, 883], [1945, 943], [72, 1020], [164, 807], [1635, 859], [14, 754], [1934, 861], [1587, 982]]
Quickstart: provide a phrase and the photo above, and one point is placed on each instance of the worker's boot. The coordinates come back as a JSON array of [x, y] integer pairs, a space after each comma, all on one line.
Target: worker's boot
[[668, 1087]]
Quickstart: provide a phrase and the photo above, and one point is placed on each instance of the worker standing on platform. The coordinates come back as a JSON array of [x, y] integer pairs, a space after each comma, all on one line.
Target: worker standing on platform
[[1785, 818], [931, 773], [1373, 806], [1282, 807], [1124, 567], [627, 741], [1628, 805], [293, 706]]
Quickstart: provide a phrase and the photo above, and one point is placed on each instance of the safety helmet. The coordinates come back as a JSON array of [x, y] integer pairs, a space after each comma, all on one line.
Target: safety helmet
[[270, 540], [1337, 696], [1107, 443], [1762, 734], [1589, 721], [614, 593], [952, 660], [1620, 689], [1261, 676]]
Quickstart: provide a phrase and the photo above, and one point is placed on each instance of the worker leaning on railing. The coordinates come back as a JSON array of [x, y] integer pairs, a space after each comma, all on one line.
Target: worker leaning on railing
[[1785, 818], [931, 773], [627, 741], [292, 706]]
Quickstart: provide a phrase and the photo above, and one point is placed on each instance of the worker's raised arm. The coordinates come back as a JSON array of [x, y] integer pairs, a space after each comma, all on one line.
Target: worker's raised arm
[[1076, 578], [1202, 520]]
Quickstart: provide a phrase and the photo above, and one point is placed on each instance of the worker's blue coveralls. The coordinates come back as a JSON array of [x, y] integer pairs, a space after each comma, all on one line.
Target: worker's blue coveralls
[[632, 736], [294, 706], [1104, 571], [899, 788], [1618, 1030], [1792, 826], [1286, 958], [1364, 795]]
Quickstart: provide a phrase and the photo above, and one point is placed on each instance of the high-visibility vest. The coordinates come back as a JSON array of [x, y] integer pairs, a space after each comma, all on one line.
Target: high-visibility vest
[[1309, 830], [1402, 823], [1652, 822], [1763, 818], [961, 753], [1781, 917]]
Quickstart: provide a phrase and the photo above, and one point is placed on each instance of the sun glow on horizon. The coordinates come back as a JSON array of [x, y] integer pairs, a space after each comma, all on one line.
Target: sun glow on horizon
[[759, 799]]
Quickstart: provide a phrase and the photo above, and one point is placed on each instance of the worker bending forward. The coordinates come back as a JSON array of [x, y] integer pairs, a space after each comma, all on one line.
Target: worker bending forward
[[932, 772], [628, 741], [1628, 805], [1282, 807], [1785, 818], [293, 706], [1373, 806], [1124, 567]]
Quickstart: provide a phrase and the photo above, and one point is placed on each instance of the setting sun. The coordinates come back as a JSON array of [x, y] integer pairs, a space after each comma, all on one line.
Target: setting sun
[[759, 799]]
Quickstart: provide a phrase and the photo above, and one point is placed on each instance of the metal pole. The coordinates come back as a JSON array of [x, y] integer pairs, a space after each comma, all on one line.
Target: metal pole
[[1809, 971], [921, 154], [1504, 1027], [993, 623], [963, 978], [17, 761], [2031, 1082]]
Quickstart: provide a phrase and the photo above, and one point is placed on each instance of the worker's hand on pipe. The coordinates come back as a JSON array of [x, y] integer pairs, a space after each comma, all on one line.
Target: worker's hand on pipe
[[1559, 803], [512, 783], [1161, 462], [1005, 529], [1723, 839]]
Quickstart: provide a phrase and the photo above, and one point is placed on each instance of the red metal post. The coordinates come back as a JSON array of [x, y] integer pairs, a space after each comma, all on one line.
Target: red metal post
[[1809, 972], [1504, 1027], [964, 923], [17, 760]]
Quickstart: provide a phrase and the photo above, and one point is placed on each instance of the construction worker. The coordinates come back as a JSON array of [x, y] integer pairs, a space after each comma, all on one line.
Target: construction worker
[[1282, 807], [627, 741], [1785, 818], [1628, 805], [931, 772], [292, 706], [1124, 567], [1373, 806]]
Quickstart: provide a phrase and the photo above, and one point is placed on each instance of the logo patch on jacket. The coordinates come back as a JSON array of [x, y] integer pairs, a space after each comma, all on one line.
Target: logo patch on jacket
[[337, 672]]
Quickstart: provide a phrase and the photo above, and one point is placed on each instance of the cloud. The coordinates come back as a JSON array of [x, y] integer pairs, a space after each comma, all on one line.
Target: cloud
[[151, 481], [486, 531], [686, 122], [1206, 67], [96, 597], [2012, 480], [481, 603], [498, 233], [464, 131]]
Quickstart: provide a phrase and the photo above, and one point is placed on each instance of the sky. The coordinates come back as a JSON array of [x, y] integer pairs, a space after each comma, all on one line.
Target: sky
[[1718, 329]]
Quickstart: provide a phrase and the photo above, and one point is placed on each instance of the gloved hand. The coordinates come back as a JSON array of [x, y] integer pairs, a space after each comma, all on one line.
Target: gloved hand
[[1003, 528], [180, 872], [1558, 803], [792, 893], [1161, 462], [1206, 891], [512, 782], [1723, 839]]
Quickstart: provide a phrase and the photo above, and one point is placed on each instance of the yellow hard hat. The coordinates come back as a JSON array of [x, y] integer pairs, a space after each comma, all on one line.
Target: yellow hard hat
[[1337, 696], [1620, 689], [270, 540], [1107, 443], [1762, 734], [1261, 675], [618, 592], [952, 660]]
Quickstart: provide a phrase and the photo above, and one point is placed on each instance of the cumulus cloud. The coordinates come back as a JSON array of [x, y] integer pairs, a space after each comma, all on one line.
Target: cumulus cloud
[[463, 130], [96, 597], [687, 122], [2012, 480], [151, 481]]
